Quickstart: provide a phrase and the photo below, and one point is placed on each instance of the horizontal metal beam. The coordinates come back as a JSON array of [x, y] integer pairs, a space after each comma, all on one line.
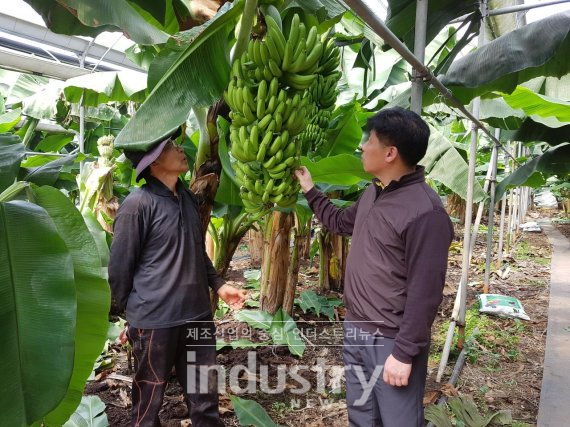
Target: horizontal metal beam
[[20, 62], [380, 28], [512, 9], [77, 45], [524, 7]]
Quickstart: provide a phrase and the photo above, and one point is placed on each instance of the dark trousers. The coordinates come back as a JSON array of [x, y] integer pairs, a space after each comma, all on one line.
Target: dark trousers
[[370, 401], [155, 352]]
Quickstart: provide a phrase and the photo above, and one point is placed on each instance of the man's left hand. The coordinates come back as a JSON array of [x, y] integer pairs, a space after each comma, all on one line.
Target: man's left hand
[[233, 297], [396, 373]]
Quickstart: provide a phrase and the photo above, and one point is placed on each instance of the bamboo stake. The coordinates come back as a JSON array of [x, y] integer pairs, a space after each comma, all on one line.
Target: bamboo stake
[[458, 315], [490, 222]]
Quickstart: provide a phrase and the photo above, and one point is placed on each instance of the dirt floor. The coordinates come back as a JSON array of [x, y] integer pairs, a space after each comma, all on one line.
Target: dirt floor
[[504, 363]]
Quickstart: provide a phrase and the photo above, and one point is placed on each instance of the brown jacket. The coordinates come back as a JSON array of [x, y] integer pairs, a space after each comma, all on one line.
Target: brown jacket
[[397, 260]]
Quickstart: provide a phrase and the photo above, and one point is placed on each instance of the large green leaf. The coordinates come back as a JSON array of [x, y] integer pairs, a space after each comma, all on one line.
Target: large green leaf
[[10, 158], [99, 235], [342, 169], [9, 120], [512, 59], [102, 87], [54, 143], [531, 131], [92, 290], [251, 413], [92, 17], [228, 191], [48, 173], [21, 85], [90, 413], [497, 113], [283, 330], [256, 318], [44, 103], [37, 313], [445, 164], [401, 18], [534, 104], [555, 161], [344, 132], [198, 77]]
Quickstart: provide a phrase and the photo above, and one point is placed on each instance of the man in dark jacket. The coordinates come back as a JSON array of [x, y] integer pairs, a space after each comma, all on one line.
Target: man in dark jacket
[[160, 272], [395, 272]]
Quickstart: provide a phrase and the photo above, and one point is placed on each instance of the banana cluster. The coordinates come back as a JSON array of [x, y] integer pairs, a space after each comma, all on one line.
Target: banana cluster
[[322, 95], [105, 146], [269, 110]]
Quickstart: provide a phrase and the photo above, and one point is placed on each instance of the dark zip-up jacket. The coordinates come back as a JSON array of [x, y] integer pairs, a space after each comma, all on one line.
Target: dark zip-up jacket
[[397, 261], [159, 268]]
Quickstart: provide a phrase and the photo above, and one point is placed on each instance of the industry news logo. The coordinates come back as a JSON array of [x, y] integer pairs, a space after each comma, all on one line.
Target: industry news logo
[[277, 378]]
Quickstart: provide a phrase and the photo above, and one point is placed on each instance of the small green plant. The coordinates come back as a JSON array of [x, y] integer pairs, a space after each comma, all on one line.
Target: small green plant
[[318, 304], [281, 327], [280, 408]]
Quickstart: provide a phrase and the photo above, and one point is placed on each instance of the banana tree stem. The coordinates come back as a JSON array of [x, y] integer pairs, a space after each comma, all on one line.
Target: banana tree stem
[[33, 124], [247, 16], [203, 153]]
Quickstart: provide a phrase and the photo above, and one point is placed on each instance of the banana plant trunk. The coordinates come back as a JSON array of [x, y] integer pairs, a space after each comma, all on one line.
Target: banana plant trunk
[[304, 244], [255, 243], [292, 275], [333, 252], [275, 261], [456, 207], [207, 170], [206, 176]]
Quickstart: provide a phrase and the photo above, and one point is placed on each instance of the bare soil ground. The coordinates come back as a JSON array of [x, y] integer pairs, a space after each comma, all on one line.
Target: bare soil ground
[[503, 368]]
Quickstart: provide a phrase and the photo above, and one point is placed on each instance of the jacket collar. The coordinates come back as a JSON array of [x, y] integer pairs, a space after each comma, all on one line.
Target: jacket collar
[[412, 178], [157, 187]]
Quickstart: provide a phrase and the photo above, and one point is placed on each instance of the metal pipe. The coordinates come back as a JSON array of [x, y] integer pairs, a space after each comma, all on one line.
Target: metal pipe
[[456, 371], [523, 7], [380, 28], [419, 51], [502, 11], [491, 220]]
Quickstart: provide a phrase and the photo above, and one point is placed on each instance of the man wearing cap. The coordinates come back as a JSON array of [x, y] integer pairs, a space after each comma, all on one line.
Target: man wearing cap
[[160, 272]]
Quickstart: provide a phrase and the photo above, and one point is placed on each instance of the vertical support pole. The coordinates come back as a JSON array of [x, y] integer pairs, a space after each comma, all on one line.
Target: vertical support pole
[[491, 220], [480, 209], [419, 52], [458, 315]]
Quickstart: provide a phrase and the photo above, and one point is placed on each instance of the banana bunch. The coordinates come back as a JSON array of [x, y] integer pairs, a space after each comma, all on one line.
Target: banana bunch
[[267, 96], [105, 146], [322, 96]]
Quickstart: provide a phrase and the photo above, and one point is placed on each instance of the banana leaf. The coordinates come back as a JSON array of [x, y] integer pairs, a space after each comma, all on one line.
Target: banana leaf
[[38, 313], [48, 173], [9, 120], [445, 164], [197, 78], [531, 131], [92, 17], [534, 104], [555, 161], [92, 290], [251, 413], [102, 87], [20, 85], [512, 59], [342, 169], [344, 132], [401, 17], [11, 156]]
